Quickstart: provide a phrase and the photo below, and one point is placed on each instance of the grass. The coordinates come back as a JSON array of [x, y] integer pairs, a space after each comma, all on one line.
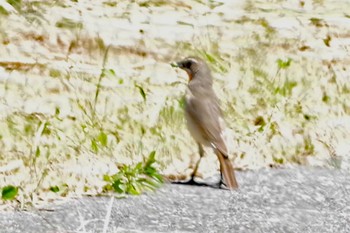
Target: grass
[[135, 179], [96, 116]]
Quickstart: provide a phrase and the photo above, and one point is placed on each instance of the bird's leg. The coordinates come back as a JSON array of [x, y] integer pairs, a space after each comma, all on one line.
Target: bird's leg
[[222, 183], [201, 154]]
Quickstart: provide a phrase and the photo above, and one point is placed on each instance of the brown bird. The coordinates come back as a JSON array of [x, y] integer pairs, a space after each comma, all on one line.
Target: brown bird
[[204, 117]]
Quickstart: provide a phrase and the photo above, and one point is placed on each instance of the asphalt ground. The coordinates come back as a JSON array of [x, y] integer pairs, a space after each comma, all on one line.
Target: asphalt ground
[[299, 199]]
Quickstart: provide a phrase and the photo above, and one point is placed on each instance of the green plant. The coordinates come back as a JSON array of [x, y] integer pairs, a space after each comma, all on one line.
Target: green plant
[[69, 24], [9, 192], [135, 179]]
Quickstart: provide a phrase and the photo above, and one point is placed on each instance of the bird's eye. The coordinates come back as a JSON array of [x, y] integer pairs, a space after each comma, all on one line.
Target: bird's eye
[[188, 64]]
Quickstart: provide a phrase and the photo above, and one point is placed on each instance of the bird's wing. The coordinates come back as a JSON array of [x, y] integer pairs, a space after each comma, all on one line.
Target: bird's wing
[[206, 113]]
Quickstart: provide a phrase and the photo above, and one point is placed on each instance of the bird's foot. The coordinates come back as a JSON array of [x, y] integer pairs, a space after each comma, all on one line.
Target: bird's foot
[[211, 182], [222, 185], [190, 181]]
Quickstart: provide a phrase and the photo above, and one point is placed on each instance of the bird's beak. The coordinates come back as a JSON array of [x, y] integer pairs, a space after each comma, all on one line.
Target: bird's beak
[[175, 64]]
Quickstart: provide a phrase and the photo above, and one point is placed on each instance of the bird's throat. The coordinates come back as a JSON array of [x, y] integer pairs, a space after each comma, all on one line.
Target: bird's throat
[[190, 75]]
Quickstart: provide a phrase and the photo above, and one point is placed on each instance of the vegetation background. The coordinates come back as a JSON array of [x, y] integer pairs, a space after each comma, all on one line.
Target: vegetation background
[[87, 90]]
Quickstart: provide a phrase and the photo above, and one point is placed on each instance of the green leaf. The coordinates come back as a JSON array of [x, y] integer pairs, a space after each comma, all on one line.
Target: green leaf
[[278, 160], [102, 138], [117, 176], [57, 111], [37, 152], [143, 130], [108, 72], [284, 64], [134, 188], [94, 146], [54, 189], [111, 72], [150, 184], [158, 177], [149, 171], [137, 168], [118, 186], [3, 11], [107, 187], [9, 192], [46, 129], [210, 58], [151, 159], [107, 178], [16, 4], [142, 92]]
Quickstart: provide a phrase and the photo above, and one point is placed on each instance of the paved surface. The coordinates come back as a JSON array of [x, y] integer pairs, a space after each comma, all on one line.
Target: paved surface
[[281, 200]]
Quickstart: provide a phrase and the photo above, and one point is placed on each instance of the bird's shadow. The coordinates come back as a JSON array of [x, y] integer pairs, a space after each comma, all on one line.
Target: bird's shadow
[[192, 182]]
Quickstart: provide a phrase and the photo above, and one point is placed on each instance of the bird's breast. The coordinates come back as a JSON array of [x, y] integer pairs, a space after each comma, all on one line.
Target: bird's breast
[[193, 125]]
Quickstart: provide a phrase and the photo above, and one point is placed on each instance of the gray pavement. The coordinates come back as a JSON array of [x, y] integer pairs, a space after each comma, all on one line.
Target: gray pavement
[[272, 200]]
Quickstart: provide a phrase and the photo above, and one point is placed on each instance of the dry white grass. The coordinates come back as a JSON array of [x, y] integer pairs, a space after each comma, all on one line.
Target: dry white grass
[[54, 132]]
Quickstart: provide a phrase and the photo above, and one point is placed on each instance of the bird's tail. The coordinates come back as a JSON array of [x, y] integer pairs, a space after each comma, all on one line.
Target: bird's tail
[[226, 169]]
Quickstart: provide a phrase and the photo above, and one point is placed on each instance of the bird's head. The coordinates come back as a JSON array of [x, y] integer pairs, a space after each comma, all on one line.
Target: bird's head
[[195, 67]]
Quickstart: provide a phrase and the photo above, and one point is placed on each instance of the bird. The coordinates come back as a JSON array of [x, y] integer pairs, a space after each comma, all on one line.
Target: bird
[[204, 117]]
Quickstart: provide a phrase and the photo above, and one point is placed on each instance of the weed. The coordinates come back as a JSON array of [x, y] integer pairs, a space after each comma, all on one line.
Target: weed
[[9, 192], [135, 179], [69, 24]]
